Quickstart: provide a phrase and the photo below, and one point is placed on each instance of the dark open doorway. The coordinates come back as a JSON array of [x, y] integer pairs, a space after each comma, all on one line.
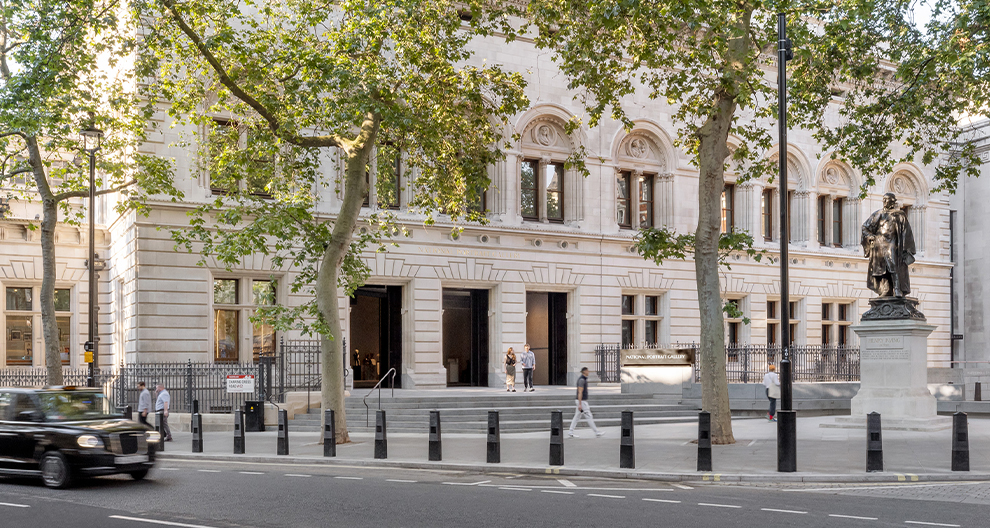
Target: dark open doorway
[[465, 337], [546, 333], [376, 334]]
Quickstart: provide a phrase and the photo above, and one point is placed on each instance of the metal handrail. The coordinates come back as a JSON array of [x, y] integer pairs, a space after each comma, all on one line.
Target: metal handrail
[[367, 410]]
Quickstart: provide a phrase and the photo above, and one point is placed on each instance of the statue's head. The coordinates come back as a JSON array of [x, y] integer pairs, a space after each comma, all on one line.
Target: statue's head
[[889, 201]]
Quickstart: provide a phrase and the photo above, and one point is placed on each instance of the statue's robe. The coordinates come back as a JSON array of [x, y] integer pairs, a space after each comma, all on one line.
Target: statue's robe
[[889, 245]]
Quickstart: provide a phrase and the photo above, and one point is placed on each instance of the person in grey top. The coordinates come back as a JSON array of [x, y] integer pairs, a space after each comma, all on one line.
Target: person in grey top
[[583, 409], [528, 361], [162, 404], [144, 404]]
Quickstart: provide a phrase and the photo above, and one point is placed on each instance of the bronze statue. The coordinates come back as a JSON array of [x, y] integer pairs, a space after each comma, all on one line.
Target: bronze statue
[[889, 245]]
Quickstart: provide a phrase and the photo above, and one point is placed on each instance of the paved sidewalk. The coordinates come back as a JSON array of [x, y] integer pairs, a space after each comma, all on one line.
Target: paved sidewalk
[[663, 451]]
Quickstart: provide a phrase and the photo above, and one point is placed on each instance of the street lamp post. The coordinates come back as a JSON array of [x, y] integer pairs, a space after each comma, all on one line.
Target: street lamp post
[[786, 418], [92, 139]]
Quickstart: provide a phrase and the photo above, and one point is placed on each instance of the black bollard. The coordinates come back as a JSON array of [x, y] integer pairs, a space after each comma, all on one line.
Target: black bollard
[[128, 412], [436, 449], [238, 432], [556, 438], [283, 432], [196, 426], [787, 441], [329, 433], [195, 409], [874, 443], [627, 442], [381, 436], [704, 441], [159, 423], [960, 442], [494, 449], [978, 391]]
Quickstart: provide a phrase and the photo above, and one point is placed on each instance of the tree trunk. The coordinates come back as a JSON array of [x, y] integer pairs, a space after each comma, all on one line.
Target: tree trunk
[[712, 152], [327, 280], [49, 325]]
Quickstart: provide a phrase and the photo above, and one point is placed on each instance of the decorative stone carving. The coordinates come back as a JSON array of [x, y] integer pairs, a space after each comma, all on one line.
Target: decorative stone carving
[[901, 185], [891, 308], [638, 147], [545, 135], [832, 176]]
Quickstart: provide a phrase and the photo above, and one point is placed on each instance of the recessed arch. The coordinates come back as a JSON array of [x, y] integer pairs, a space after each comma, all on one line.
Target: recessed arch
[[908, 184], [798, 168], [647, 144]]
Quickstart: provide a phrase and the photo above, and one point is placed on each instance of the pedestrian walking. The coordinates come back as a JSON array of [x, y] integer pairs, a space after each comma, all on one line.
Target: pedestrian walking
[[162, 404], [772, 383], [509, 366], [528, 361], [144, 403], [583, 409]]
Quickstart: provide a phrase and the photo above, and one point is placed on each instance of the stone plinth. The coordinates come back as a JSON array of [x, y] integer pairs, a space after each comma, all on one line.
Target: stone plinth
[[893, 368]]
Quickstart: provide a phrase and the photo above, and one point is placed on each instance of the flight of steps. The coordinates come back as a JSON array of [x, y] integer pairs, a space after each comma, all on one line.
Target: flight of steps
[[528, 413]]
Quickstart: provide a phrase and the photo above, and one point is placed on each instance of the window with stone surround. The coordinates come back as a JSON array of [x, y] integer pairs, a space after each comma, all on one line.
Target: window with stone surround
[[766, 210], [227, 176], [836, 320], [642, 319], [646, 201], [773, 321], [529, 189], [728, 202], [22, 315], [235, 301], [623, 200]]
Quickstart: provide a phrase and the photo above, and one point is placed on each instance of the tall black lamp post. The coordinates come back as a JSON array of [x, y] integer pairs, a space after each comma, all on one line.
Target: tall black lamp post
[[786, 417], [92, 140]]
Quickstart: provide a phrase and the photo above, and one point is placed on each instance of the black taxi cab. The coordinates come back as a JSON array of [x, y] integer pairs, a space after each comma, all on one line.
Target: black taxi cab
[[60, 433]]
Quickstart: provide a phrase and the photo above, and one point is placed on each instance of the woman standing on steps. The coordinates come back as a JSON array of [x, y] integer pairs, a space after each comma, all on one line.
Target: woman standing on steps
[[509, 367]]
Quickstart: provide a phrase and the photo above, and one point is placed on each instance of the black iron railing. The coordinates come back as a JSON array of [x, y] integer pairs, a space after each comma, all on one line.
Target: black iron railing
[[748, 363]]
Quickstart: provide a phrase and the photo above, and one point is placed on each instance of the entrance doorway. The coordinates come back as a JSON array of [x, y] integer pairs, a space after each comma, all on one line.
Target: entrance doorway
[[376, 334], [546, 333], [465, 337]]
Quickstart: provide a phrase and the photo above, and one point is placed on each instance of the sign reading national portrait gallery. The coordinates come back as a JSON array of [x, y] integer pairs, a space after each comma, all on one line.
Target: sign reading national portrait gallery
[[657, 357]]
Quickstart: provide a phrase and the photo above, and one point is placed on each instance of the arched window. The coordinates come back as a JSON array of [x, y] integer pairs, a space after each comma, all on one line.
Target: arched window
[[643, 184], [544, 184], [837, 206]]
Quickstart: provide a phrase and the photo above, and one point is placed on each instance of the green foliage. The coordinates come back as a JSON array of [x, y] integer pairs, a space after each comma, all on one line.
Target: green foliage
[[296, 81], [62, 69]]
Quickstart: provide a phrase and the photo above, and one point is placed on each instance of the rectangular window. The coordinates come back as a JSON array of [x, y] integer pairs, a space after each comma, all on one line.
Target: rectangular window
[[62, 303], [772, 334], [767, 210], [628, 305], [20, 339], [623, 200], [773, 322], [19, 299], [844, 312], [728, 197], [226, 335], [652, 332], [822, 208], [225, 291], [223, 140], [628, 333], [63, 338], [529, 189], [262, 293], [652, 305], [793, 335], [555, 192], [837, 222], [793, 310], [646, 201], [733, 333], [263, 334]]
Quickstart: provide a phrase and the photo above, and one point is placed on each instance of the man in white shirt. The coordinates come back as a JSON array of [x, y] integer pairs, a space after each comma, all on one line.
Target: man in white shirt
[[162, 404], [772, 383], [144, 404]]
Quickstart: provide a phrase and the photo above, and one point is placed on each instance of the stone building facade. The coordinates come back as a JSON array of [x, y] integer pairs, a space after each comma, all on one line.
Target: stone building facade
[[553, 267]]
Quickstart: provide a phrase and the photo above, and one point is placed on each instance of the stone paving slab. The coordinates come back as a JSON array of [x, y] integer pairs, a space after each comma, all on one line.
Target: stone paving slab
[[663, 452]]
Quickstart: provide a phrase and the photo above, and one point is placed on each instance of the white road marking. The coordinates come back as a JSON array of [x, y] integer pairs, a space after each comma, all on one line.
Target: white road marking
[[350, 478], [852, 517], [931, 524], [155, 521], [467, 483], [682, 486], [208, 470], [250, 473], [891, 486], [514, 488], [557, 491], [12, 505], [783, 511], [297, 475], [751, 443], [718, 505], [567, 483], [607, 496], [400, 480], [662, 500], [167, 469]]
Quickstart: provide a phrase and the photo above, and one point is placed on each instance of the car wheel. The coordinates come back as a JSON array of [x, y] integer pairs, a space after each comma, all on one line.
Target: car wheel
[[139, 474], [55, 470]]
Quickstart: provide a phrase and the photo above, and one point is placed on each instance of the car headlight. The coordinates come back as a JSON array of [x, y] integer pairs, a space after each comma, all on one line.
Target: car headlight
[[152, 436], [89, 441]]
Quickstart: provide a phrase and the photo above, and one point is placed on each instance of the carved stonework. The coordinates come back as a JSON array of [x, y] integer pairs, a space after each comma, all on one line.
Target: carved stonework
[[832, 176], [545, 135], [900, 185], [892, 308], [638, 147]]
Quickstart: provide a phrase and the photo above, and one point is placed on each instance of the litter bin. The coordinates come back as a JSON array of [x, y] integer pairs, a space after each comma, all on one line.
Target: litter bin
[[254, 416]]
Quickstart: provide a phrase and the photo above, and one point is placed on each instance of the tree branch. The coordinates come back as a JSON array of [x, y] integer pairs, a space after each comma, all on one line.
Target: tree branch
[[15, 173], [84, 193], [273, 123]]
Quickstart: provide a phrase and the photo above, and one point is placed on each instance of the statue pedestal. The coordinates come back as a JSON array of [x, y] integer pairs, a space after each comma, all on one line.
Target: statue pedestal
[[894, 377]]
